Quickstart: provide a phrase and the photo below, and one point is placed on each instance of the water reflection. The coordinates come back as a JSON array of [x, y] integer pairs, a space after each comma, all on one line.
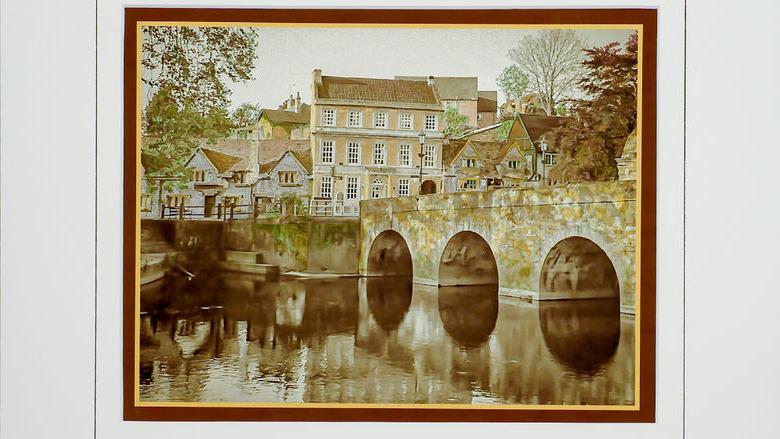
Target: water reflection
[[581, 334], [469, 313], [243, 338], [389, 299]]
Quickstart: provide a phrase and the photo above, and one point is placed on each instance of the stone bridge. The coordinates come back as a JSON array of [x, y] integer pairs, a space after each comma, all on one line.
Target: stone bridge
[[570, 242]]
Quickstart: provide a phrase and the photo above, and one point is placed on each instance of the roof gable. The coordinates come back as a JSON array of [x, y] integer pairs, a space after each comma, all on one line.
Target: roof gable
[[222, 162]]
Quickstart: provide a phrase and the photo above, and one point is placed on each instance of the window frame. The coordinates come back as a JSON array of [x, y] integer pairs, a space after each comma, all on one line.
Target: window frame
[[332, 148], [386, 119], [359, 114], [435, 122], [383, 155], [403, 183], [427, 156], [322, 117], [356, 180], [329, 180], [356, 144], [401, 121], [408, 148]]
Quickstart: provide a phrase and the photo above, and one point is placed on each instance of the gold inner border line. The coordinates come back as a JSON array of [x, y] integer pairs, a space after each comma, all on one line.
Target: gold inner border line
[[639, 28]]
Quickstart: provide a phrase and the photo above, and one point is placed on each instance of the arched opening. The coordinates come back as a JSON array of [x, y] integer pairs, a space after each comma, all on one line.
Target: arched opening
[[577, 268], [581, 335], [467, 260], [428, 187], [469, 313], [389, 255]]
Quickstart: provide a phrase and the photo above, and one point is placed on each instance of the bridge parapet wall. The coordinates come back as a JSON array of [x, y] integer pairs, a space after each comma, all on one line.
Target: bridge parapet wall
[[520, 225]]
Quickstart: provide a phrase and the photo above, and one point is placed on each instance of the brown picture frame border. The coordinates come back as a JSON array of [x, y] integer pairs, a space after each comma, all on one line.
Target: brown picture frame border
[[310, 411]]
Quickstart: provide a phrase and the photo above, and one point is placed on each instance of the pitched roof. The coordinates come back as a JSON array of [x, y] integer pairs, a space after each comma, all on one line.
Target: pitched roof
[[274, 149], [284, 116], [267, 167], [223, 162], [234, 147], [487, 101], [538, 125], [372, 89], [488, 133], [304, 158], [450, 88], [489, 152]]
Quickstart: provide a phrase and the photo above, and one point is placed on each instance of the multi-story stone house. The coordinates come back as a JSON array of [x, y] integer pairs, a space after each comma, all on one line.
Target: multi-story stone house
[[367, 138], [480, 160], [290, 121], [461, 93]]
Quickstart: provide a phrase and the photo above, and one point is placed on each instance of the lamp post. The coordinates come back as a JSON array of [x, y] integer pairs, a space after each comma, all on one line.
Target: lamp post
[[421, 138], [543, 147]]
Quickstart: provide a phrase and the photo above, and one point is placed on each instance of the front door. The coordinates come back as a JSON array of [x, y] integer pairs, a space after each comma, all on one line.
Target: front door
[[208, 205]]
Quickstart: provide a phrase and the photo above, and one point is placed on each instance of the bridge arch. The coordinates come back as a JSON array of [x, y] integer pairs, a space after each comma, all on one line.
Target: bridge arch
[[389, 255], [467, 260], [576, 267]]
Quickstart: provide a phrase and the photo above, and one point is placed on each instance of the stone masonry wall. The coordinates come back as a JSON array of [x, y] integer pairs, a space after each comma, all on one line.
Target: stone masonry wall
[[520, 225], [319, 245]]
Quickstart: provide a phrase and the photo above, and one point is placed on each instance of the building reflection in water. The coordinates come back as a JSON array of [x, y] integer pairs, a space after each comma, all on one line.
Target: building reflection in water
[[244, 338]]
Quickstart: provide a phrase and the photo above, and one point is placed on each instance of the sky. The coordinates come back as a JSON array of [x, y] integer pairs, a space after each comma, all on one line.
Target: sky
[[287, 56]]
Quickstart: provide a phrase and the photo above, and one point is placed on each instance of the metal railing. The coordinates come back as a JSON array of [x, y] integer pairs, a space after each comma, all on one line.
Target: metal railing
[[230, 211], [333, 208]]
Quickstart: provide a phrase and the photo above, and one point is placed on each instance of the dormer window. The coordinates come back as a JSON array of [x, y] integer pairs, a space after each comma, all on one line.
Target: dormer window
[[514, 164], [468, 163]]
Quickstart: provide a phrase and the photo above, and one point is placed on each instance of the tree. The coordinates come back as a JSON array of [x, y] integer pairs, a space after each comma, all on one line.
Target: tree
[[455, 123], [246, 114], [590, 141], [512, 82], [552, 61], [194, 64], [172, 132]]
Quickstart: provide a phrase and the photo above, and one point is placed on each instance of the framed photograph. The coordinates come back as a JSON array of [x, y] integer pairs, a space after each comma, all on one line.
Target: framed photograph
[[389, 215]]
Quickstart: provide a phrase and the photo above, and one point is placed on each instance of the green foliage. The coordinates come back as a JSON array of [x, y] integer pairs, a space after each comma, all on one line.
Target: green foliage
[[512, 82], [172, 132], [503, 131], [246, 114], [590, 141], [186, 70], [195, 63], [455, 123]]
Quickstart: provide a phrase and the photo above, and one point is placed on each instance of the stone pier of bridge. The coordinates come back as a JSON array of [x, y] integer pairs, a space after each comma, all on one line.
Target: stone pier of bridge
[[564, 242]]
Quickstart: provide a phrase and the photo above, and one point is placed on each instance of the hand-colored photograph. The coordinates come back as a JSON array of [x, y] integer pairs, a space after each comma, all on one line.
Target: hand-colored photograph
[[387, 215]]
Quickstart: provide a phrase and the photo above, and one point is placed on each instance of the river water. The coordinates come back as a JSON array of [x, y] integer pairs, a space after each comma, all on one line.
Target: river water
[[239, 338]]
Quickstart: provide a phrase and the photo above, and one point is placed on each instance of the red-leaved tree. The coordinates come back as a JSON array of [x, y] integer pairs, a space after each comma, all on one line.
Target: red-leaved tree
[[590, 141]]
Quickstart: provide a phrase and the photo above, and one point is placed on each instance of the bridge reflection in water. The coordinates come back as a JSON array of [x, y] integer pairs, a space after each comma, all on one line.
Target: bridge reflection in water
[[377, 340]]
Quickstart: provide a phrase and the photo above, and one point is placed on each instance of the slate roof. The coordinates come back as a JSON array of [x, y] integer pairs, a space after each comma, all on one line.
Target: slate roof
[[381, 90]]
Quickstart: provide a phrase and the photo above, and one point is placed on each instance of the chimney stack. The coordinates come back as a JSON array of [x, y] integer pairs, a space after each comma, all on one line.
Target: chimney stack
[[430, 80], [298, 102]]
